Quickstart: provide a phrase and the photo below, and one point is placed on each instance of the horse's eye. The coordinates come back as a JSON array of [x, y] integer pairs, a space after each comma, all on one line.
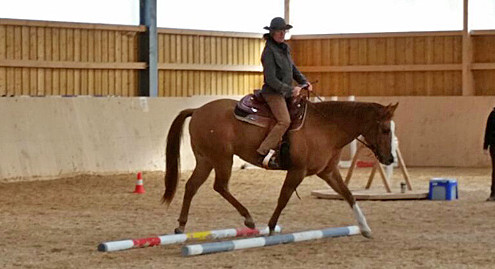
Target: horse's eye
[[386, 131]]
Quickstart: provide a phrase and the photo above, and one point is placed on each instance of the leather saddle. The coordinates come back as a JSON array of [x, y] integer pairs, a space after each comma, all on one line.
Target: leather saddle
[[253, 109]]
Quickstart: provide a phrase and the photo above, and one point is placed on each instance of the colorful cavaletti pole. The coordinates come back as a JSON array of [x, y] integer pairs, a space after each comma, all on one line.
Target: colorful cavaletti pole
[[206, 248], [180, 238]]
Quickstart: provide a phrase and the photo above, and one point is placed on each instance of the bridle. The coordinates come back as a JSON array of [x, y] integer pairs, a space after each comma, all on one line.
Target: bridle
[[371, 147], [366, 144]]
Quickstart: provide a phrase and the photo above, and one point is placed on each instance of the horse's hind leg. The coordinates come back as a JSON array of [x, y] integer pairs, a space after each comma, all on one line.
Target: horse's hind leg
[[198, 177], [223, 171], [334, 179]]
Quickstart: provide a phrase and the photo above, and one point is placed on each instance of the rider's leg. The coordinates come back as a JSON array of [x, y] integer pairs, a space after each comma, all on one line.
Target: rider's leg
[[279, 109]]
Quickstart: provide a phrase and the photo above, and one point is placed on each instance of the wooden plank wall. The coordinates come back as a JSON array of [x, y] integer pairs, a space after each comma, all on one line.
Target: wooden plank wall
[[484, 58], [208, 63], [48, 58], [398, 64], [51, 58]]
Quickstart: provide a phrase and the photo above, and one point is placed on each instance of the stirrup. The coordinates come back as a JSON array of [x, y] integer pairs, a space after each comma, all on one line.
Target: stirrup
[[268, 157]]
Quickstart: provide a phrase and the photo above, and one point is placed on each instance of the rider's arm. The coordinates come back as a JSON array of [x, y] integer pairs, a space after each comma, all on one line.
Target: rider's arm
[[298, 76]]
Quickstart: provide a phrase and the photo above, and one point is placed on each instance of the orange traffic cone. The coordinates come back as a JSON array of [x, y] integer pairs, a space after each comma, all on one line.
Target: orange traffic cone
[[139, 184]]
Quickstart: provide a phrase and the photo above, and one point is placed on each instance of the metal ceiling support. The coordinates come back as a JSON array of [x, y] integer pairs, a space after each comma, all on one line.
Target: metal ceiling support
[[148, 49]]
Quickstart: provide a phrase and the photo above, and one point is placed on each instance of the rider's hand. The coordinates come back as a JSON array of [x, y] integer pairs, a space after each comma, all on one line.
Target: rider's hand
[[485, 151], [296, 91], [310, 87]]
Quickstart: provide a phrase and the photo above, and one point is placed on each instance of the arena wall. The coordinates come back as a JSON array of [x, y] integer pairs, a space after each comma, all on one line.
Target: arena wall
[[40, 58], [54, 136], [49, 137]]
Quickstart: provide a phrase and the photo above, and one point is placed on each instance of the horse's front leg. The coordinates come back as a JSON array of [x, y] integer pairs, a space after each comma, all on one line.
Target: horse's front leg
[[334, 179], [292, 180]]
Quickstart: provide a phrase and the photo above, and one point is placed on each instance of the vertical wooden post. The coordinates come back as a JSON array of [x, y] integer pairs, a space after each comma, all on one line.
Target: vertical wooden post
[[467, 55], [148, 49], [287, 11]]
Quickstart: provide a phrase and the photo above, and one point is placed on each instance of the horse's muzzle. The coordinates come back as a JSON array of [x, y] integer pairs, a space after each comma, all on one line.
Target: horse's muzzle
[[386, 161], [389, 161]]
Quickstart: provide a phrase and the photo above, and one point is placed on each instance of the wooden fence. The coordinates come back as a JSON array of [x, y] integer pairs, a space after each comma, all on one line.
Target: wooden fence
[[208, 63], [382, 64], [52, 58], [49, 58], [400, 64], [484, 62]]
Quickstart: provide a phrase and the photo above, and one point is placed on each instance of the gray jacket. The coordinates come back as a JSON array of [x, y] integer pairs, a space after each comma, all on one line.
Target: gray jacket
[[279, 69]]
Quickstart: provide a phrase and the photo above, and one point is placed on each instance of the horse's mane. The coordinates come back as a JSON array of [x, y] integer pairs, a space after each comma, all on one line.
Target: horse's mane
[[344, 109]]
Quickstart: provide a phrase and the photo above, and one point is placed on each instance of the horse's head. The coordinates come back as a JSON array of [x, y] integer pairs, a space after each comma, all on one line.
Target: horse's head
[[379, 135]]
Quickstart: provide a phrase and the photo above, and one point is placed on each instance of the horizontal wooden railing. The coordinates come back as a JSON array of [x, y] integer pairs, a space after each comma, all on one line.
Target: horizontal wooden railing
[[211, 67], [382, 68], [208, 33], [377, 35], [72, 25], [72, 65]]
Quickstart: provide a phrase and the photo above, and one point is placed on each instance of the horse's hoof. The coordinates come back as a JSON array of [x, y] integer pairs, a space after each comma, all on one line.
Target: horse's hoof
[[250, 224], [491, 199], [366, 234], [178, 231]]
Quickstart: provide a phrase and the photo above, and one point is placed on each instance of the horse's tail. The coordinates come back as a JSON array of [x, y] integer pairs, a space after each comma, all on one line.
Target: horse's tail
[[172, 155]]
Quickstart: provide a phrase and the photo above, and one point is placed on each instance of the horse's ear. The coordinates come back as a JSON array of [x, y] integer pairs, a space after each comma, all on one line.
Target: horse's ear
[[393, 107], [389, 111]]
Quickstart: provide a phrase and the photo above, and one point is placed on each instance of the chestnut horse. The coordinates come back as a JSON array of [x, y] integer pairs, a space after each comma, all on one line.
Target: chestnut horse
[[216, 135]]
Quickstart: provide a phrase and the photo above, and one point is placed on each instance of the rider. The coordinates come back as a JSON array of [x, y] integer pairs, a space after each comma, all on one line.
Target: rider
[[278, 70], [489, 142]]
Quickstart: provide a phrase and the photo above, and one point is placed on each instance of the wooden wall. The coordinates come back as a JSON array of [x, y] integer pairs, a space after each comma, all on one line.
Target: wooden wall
[[51, 58], [208, 63], [484, 58], [382, 64]]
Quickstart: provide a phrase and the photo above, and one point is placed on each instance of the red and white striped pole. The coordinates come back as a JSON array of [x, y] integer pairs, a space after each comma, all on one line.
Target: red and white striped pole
[[181, 238]]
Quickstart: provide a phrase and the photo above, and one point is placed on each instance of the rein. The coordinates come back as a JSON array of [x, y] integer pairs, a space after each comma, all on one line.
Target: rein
[[371, 147]]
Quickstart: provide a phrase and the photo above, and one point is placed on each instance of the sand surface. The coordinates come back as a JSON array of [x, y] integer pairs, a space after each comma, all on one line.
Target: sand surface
[[59, 223]]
